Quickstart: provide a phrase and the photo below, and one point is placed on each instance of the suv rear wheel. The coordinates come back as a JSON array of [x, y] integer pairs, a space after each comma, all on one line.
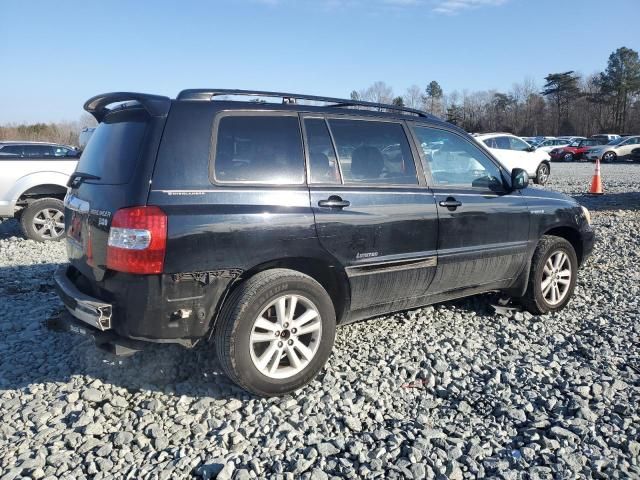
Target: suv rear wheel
[[43, 220], [552, 278], [275, 332]]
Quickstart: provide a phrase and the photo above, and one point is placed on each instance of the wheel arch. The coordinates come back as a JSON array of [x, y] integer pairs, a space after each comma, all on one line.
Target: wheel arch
[[40, 184], [570, 234], [333, 279], [43, 191]]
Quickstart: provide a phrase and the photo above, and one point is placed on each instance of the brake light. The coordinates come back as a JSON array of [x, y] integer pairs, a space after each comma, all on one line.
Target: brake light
[[137, 240]]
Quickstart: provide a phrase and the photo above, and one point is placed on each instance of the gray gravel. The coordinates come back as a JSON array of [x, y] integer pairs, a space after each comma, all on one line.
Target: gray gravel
[[448, 391]]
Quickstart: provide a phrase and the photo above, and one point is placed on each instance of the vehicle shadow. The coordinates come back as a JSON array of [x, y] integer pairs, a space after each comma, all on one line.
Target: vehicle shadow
[[610, 201], [10, 228], [34, 354]]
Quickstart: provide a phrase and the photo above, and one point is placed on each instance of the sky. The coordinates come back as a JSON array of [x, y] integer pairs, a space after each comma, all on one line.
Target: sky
[[56, 54]]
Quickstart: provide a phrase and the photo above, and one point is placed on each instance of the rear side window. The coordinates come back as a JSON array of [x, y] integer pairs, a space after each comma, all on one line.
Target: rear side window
[[323, 164], [11, 151], [259, 149], [114, 148], [373, 152]]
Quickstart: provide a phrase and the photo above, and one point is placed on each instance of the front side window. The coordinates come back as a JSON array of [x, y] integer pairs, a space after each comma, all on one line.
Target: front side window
[[259, 149], [61, 151], [517, 144], [456, 161], [373, 152], [323, 164]]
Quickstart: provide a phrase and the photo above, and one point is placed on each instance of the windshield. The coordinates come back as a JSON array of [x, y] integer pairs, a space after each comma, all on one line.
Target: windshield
[[575, 143], [616, 141]]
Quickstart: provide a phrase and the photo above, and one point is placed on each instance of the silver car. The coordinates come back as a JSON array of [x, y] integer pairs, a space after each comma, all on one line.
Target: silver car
[[615, 149]]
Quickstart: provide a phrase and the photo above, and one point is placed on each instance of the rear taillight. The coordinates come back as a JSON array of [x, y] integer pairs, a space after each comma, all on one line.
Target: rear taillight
[[137, 240]]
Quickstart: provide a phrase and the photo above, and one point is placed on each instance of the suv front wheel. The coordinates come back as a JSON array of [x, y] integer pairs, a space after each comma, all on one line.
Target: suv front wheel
[[552, 278], [43, 220], [275, 332], [542, 173]]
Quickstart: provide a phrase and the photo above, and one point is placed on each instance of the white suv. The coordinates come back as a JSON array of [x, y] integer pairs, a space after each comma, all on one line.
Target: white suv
[[33, 185], [513, 152]]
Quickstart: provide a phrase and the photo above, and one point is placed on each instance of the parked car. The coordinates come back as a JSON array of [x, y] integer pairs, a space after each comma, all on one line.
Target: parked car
[[514, 152], [551, 144], [606, 136], [33, 185], [85, 135], [616, 149], [262, 226], [575, 150], [635, 154]]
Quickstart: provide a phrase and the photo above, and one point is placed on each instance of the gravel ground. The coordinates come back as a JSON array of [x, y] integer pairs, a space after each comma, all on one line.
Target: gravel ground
[[448, 391]]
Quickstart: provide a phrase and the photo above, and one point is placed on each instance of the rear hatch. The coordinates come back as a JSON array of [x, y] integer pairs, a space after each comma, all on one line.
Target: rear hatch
[[114, 172]]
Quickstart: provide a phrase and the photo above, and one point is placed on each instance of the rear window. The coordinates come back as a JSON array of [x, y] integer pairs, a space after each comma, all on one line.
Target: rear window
[[114, 148], [259, 149]]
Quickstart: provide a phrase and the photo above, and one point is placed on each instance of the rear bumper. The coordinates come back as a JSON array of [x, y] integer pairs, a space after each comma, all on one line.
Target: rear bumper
[[153, 308], [89, 310]]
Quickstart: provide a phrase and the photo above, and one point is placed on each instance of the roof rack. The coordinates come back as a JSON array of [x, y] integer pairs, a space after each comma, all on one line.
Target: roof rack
[[209, 94]]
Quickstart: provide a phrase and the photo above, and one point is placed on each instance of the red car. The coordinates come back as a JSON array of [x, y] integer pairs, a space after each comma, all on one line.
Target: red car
[[575, 150]]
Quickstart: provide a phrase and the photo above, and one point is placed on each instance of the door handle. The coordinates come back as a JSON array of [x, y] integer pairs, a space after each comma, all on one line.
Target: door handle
[[334, 201], [451, 203]]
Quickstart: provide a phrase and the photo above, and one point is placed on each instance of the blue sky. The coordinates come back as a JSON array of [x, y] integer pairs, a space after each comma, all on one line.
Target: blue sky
[[56, 54]]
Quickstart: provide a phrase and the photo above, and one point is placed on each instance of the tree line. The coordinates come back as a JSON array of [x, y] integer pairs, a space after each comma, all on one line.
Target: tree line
[[568, 103], [65, 133]]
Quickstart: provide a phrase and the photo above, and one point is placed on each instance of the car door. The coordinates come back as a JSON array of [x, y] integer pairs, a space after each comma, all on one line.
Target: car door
[[372, 211], [627, 145], [483, 232]]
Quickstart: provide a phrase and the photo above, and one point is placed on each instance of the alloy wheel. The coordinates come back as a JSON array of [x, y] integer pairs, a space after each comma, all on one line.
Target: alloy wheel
[[556, 277], [285, 336], [48, 223]]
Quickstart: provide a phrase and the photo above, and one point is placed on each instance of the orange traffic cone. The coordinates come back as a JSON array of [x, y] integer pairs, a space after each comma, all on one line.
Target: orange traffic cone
[[596, 182]]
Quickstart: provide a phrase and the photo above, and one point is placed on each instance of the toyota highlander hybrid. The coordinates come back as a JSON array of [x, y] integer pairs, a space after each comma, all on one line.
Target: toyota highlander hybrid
[[259, 227]]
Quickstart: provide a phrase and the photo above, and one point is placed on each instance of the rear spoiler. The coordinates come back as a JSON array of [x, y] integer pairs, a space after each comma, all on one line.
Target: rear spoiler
[[155, 105]]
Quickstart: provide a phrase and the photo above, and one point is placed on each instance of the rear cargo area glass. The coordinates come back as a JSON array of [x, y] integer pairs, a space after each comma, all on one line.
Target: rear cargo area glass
[[114, 148]]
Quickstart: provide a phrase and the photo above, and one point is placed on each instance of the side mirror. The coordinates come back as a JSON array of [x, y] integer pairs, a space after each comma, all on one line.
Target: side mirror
[[519, 179], [531, 149]]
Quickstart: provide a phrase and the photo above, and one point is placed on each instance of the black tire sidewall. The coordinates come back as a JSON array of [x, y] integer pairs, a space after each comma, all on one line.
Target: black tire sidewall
[[558, 245], [26, 218], [568, 157], [244, 369]]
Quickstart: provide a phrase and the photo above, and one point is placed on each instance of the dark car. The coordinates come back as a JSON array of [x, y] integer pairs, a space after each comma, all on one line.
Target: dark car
[[576, 149], [261, 226], [635, 154]]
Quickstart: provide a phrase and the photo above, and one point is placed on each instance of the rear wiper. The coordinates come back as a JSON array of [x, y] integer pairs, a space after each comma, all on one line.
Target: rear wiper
[[77, 177]]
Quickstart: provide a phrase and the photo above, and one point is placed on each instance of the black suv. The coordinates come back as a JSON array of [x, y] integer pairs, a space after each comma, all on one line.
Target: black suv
[[261, 226]]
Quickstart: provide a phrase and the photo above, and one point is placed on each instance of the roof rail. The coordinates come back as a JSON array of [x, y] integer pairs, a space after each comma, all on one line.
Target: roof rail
[[209, 94], [156, 105]]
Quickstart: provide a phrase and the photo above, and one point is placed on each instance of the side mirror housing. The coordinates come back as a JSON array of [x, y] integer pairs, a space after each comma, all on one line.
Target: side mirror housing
[[531, 149], [519, 179]]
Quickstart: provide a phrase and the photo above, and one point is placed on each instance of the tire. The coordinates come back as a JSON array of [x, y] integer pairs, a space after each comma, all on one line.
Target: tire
[[43, 220], [609, 157], [252, 301], [538, 301], [542, 173], [567, 157]]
